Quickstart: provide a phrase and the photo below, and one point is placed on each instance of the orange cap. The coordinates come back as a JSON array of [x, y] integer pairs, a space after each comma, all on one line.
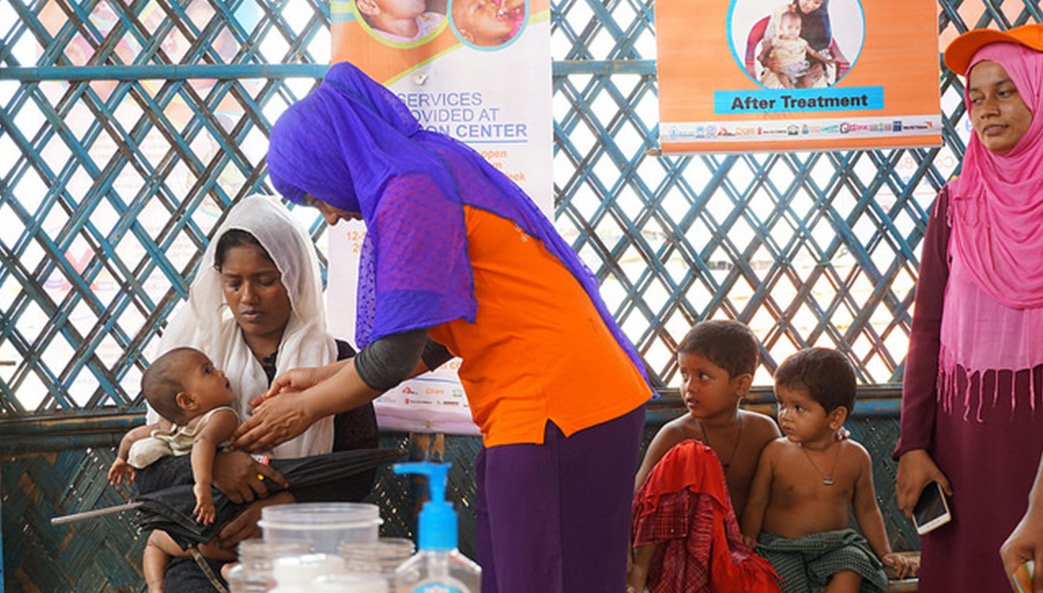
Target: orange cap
[[962, 49]]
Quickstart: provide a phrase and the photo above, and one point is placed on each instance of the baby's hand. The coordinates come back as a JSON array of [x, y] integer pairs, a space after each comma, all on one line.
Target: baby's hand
[[903, 566], [204, 512], [121, 469], [749, 541]]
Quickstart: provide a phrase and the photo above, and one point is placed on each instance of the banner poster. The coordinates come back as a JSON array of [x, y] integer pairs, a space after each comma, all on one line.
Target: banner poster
[[476, 70], [771, 75]]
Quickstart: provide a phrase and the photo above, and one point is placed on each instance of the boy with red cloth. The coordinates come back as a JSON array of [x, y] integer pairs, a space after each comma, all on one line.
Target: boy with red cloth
[[697, 472]]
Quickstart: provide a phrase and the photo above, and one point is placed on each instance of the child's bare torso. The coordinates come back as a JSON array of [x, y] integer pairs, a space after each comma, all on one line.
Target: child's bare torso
[[811, 489]]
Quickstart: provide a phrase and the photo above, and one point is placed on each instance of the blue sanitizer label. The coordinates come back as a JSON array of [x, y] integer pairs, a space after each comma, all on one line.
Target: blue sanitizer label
[[433, 588]]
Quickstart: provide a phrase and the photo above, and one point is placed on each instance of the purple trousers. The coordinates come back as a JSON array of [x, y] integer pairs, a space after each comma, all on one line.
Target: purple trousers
[[555, 518]]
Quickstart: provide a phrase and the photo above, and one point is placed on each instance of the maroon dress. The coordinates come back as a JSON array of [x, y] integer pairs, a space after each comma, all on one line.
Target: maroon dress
[[989, 452]]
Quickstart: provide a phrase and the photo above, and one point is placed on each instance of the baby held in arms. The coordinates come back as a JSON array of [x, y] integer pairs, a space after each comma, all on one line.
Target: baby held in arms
[[194, 401]]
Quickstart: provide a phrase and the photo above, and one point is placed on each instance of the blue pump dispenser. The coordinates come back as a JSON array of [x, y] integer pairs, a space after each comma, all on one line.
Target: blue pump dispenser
[[437, 518], [437, 566]]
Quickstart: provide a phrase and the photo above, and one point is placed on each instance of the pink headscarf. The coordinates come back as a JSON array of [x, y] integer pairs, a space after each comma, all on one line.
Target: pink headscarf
[[997, 201]]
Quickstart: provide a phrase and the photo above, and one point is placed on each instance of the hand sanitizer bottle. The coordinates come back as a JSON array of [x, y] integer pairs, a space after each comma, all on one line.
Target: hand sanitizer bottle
[[438, 566]]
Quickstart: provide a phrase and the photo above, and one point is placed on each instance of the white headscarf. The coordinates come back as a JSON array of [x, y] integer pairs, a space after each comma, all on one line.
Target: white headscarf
[[206, 322]]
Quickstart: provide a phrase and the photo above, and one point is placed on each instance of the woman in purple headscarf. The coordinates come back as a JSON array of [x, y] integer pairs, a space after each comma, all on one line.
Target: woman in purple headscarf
[[972, 401], [458, 260]]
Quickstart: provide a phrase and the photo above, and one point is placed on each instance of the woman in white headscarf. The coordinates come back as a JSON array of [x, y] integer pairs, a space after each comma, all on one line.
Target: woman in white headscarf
[[256, 309]]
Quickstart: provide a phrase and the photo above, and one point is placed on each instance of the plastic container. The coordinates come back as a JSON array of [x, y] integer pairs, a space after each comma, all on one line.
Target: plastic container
[[325, 524], [380, 557], [438, 566], [253, 574], [294, 574], [349, 583], [258, 556]]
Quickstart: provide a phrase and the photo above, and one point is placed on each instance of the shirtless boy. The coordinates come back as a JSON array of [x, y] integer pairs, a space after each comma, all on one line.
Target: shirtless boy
[[807, 484]]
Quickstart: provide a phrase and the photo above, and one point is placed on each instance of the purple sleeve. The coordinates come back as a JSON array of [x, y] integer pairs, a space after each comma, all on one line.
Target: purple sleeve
[[921, 363]]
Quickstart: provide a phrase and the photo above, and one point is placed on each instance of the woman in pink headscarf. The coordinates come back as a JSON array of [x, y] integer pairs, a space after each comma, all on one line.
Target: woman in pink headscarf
[[972, 402]]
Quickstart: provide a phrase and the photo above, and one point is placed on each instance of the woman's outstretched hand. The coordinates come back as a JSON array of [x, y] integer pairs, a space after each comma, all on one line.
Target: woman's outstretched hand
[[297, 379], [278, 419], [916, 469], [297, 399]]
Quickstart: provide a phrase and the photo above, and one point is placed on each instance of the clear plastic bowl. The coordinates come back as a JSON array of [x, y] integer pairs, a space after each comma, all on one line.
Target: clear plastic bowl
[[381, 557], [325, 524]]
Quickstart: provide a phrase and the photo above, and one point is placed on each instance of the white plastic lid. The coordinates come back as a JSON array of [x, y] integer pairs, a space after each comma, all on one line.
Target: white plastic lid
[[320, 515]]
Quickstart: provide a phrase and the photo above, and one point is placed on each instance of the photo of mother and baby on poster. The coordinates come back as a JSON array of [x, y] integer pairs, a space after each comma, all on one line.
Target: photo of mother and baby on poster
[[796, 45]]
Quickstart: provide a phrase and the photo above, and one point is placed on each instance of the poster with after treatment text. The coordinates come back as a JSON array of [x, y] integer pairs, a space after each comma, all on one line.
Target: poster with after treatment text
[[763, 75]]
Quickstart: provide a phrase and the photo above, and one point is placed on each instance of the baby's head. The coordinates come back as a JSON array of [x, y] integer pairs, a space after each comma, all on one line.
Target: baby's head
[[789, 25], [481, 22], [825, 374], [183, 383]]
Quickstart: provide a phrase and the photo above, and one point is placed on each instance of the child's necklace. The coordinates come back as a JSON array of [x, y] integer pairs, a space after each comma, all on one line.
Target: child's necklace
[[827, 479], [735, 447]]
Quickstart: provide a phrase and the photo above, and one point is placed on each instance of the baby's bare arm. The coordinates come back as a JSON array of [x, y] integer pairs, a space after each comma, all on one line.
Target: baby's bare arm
[[820, 57], [120, 469], [134, 435], [204, 447]]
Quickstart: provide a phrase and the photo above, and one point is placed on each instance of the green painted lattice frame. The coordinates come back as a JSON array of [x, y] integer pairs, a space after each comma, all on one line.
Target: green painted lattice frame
[[135, 111], [161, 114]]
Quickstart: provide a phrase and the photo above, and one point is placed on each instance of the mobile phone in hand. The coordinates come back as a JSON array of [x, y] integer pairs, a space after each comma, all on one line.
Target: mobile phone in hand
[[931, 510]]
